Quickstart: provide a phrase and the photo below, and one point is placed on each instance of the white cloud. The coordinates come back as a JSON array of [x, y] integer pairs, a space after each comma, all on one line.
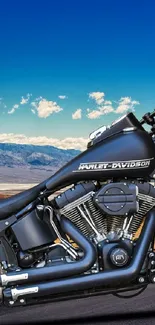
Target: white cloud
[[97, 96], [13, 109], [15, 106], [135, 102], [126, 103], [103, 106], [102, 110], [107, 102], [22, 102], [39, 98], [77, 114], [106, 109], [94, 114], [66, 143], [45, 107], [106, 106], [34, 104], [26, 99], [62, 96]]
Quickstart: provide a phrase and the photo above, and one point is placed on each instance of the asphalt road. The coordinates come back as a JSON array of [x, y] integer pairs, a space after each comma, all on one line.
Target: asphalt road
[[93, 310]]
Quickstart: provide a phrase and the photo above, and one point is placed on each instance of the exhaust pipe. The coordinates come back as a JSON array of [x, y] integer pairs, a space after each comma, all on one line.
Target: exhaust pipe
[[34, 275], [110, 279]]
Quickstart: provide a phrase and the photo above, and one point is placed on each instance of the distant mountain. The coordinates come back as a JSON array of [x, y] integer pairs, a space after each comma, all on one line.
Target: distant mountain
[[34, 162]]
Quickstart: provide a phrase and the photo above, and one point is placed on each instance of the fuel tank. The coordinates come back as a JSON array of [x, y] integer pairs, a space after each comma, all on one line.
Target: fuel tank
[[129, 153]]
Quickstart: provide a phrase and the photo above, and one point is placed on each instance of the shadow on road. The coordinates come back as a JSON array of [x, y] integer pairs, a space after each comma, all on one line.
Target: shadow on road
[[119, 318], [93, 310]]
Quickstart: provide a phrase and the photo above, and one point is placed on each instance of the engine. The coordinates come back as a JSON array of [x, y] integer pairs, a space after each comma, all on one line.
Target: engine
[[110, 215], [110, 211]]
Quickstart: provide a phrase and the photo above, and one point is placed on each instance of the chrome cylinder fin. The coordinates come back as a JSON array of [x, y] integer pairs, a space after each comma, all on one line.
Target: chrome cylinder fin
[[98, 217], [86, 216], [146, 204], [114, 223]]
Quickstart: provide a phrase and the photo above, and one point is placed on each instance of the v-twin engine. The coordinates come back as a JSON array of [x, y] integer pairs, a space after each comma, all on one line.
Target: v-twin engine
[[78, 205]]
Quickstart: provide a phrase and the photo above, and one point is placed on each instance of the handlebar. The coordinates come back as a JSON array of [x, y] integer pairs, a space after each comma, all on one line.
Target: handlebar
[[149, 118]]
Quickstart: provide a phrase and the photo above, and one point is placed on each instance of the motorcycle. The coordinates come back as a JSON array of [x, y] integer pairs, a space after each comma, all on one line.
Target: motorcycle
[[97, 235]]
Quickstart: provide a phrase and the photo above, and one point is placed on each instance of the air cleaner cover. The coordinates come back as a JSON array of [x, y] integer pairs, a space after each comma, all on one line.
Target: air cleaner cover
[[117, 199]]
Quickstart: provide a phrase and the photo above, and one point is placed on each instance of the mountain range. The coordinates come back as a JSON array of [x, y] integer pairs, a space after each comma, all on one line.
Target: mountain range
[[31, 163]]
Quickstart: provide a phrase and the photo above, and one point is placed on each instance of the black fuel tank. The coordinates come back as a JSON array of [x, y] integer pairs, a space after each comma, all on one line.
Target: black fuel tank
[[127, 154]]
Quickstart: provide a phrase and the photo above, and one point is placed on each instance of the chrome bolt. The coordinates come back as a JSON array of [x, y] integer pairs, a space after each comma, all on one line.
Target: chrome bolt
[[153, 262], [22, 301], [151, 254], [6, 223], [141, 279], [11, 302]]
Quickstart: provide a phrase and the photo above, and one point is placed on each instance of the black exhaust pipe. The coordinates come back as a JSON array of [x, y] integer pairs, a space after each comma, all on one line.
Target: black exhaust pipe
[[103, 280], [34, 275]]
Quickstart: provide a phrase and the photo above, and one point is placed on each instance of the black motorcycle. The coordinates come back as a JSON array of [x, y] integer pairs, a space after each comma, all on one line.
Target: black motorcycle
[[97, 236]]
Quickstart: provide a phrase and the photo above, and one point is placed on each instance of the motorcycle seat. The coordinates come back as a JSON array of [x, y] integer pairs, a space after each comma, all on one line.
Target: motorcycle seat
[[17, 202]]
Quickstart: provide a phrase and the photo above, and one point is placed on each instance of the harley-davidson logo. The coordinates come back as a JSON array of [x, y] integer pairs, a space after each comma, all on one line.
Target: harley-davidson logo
[[131, 164]]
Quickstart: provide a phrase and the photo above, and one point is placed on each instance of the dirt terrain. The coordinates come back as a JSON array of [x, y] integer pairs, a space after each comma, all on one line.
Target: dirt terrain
[[4, 195]]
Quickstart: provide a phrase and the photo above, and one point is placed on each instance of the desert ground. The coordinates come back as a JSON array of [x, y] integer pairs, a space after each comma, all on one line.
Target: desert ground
[[9, 189]]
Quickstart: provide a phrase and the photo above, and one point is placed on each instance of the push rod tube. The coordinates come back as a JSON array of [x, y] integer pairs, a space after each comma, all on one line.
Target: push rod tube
[[34, 275], [110, 279]]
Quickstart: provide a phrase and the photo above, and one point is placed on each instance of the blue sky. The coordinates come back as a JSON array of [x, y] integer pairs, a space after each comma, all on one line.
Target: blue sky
[[98, 55]]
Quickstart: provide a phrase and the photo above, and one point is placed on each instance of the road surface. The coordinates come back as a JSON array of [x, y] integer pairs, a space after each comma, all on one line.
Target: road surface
[[94, 310]]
